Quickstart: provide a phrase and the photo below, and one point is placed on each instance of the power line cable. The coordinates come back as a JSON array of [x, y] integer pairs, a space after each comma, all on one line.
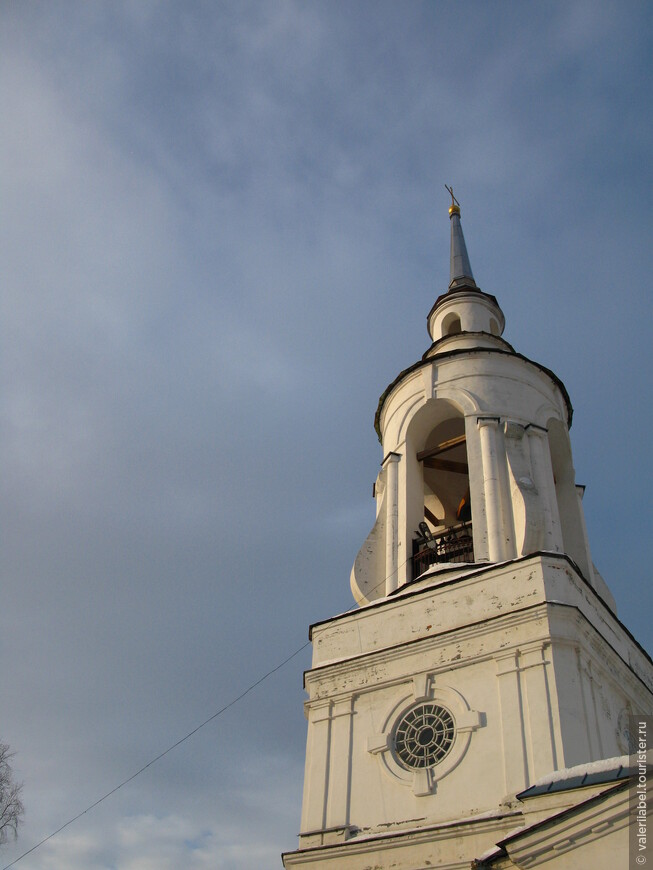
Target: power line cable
[[161, 754], [182, 739]]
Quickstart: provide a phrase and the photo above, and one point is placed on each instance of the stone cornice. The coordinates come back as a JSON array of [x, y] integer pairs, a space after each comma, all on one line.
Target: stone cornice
[[360, 844], [467, 633]]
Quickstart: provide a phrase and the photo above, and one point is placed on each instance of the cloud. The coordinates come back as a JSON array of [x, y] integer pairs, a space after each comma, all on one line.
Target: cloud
[[222, 229], [219, 815]]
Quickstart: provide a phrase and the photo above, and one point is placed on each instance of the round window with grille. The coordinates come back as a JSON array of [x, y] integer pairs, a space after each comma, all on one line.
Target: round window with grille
[[424, 735]]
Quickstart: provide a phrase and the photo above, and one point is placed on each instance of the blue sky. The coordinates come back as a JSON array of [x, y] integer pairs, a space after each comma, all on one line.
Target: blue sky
[[223, 225]]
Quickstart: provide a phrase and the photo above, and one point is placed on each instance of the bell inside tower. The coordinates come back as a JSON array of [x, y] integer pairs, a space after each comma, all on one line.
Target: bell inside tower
[[444, 532]]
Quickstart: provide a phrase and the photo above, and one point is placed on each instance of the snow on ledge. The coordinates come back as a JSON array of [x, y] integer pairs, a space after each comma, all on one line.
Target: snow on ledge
[[589, 767]]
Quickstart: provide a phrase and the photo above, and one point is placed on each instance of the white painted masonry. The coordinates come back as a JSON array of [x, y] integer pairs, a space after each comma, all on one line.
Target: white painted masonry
[[516, 637]]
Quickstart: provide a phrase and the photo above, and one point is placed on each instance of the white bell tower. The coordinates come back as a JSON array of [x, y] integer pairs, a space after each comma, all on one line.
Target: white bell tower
[[485, 652]]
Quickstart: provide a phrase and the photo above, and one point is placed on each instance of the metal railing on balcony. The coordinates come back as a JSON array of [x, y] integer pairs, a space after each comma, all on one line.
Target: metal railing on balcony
[[454, 544]]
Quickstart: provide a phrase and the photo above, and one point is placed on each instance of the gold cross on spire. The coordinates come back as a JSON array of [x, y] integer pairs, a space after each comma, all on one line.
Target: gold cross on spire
[[454, 208]]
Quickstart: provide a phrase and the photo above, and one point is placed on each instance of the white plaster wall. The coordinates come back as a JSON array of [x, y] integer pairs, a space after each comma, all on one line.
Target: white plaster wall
[[480, 382], [595, 693], [474, 310], [505, 640], [527, 510]]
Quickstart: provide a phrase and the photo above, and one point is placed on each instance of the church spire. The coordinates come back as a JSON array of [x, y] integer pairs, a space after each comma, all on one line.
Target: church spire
[[465, 316], [461, 270]]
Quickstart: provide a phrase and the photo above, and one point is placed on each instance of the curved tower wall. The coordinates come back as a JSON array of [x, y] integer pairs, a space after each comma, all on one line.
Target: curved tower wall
[[511, 466]]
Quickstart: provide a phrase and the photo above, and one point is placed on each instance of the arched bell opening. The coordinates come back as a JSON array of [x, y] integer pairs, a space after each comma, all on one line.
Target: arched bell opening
[[451, 324], [441, 519]]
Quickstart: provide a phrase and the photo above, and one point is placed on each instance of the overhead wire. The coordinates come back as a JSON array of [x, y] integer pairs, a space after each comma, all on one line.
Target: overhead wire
[[183, 739]]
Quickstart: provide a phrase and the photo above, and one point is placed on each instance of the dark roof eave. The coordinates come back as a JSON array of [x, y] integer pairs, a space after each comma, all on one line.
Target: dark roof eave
[[428, 354], [459, 352], [566, 813], [586, 780], [543, 824]]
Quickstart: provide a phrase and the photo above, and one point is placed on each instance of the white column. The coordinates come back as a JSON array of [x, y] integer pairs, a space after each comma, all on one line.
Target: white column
[[589, 707], [339, 771], [538, 704], [595, 705], [543, 475], [512, 723], [392, 521], [493, 515], [316, 774], [508, 544]]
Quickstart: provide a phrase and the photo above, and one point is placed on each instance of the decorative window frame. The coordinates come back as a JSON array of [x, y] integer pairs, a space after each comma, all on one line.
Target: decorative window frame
[[424, 689]]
